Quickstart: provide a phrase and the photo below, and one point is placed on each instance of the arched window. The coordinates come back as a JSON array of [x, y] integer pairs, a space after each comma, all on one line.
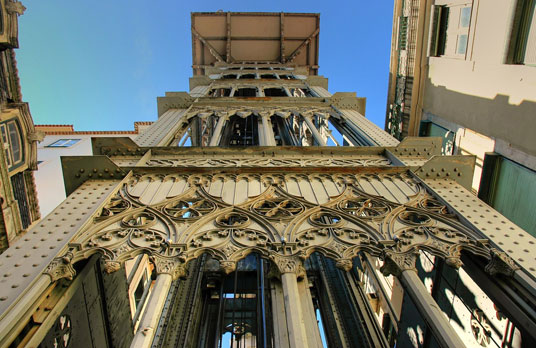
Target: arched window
[[241, 131], [237, 308], [12, 143]]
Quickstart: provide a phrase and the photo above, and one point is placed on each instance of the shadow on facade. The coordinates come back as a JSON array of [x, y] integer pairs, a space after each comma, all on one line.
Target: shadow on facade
[[496, 117]]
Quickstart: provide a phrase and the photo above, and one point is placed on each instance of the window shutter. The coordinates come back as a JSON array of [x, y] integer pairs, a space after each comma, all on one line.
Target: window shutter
[[403, 33], [530, 50], [439, 34]]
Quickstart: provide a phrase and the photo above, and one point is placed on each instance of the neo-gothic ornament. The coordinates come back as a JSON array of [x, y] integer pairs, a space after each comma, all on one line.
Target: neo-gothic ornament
[[344, 264], [396, 263], [115, 206], [279, 161], [170, 265], [501, 263], [189, 209], [289, 264], [60, 267], [228, 266], [278, 208], [37, 136], [15, 7], [275, 222], [111, 266]]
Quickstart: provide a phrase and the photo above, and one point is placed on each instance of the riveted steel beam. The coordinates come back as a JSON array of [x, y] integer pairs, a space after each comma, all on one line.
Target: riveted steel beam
[[414, 152], [175, 100], [348, 100], [120, 146], [458, 168], [419, 146], [78, 169], [211, 49], [302, 45]]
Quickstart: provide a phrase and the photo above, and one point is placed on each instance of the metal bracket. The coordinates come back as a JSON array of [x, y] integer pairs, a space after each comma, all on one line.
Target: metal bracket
[[199, 80], [418, 147], [78, 169], [123, 146], [348, 100], [458, 168], [316, 80], [414, 151], [173, 100]]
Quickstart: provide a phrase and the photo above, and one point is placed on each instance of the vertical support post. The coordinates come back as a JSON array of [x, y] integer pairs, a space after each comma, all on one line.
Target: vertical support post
[[268, 132], [145, 334], [214, 141], [278, 315], [260, 272], [282, 38], [228, 48], [290, 268], [308, 119], [312, 330], [432, 314], [293, 310], [402, 265]]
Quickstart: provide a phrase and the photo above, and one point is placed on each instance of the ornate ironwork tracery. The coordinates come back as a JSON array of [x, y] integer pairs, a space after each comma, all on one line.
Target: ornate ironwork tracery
[[274, 223]]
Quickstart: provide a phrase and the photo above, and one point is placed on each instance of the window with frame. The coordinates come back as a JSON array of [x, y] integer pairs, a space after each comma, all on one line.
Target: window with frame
[[450, 31], [504, 181], [140, 290], [12, 143], [64, 143], [430, 129], [522, 47]]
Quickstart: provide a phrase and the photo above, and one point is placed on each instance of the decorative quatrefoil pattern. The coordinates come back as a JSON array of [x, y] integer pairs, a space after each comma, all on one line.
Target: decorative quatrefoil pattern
[[278, 208], [189, 209], [274, 223]]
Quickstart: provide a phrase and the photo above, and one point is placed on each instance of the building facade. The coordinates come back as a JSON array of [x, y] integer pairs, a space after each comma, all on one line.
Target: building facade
[[260, 210], [60, 141], [18, 159], [465, 71]]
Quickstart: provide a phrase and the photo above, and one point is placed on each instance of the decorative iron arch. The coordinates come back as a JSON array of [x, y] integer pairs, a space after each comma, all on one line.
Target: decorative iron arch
[[352, 222]]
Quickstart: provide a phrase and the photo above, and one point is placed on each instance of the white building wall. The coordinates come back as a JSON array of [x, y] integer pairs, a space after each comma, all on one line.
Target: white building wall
[[49, 176], [480, 90]]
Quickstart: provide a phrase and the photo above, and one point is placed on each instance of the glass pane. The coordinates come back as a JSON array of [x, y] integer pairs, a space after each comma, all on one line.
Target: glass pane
[[462, 44], [530, 49], [8, 157], [513, 191], [64, 143], [433, 130], [465, 17], [14, 139], [56, 143], [71, 142], [4, 134]]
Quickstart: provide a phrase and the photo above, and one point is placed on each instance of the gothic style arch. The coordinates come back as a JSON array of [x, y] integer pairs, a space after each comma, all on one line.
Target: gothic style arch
[[187, 222]]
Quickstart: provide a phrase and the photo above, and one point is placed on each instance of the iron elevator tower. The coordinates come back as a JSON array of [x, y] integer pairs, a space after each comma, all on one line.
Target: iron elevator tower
[[267, 212]]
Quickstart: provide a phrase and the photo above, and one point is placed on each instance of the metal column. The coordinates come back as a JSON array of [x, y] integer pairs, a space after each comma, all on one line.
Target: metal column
[[293, 310], [426, 305], [145, 334]]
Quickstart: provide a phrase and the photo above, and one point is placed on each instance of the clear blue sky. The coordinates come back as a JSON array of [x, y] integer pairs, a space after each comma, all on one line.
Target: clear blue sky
[[101, 64]]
